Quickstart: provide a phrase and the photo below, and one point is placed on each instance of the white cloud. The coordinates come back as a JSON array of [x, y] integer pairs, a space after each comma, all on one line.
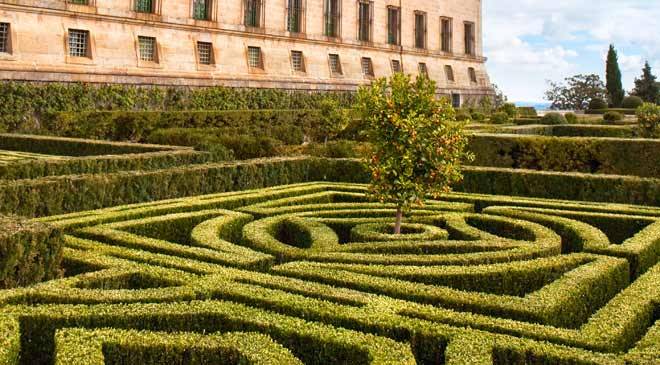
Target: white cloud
[[531, 41]]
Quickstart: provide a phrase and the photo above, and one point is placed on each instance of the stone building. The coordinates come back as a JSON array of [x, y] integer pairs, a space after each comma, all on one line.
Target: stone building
[[289, 44]]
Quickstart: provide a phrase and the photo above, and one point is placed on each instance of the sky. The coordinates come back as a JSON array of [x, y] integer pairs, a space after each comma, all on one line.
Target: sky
[[530, 41]]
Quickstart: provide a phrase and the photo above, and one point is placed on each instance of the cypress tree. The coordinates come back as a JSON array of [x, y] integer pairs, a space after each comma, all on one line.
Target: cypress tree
[[613, 76], [646, 87]]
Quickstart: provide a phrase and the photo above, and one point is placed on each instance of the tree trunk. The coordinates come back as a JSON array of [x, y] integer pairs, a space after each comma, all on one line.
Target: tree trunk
[[399, 218]]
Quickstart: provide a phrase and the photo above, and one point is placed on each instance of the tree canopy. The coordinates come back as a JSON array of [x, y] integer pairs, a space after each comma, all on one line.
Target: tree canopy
[[614, 86], [646, 87], [417, 144], [575, 92]]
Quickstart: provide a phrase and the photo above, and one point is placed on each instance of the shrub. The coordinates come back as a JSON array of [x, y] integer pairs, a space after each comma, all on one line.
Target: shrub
[[500, 118], [287, 125], [632, 102], [510, 110], [331, 121], [23, 105], [527, 112], [478, 117], [31, 252], [587, 155], [223, 146], [336, 149], [648, 116], [554, 118], [612, 116], [463, 115], [571, 118], [597, 104]]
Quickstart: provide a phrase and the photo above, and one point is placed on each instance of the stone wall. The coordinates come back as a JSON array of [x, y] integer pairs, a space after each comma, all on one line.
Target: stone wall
[[39, 28]]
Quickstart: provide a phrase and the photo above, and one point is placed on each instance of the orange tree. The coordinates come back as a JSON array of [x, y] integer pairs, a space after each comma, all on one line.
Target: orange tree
[[417, 144]]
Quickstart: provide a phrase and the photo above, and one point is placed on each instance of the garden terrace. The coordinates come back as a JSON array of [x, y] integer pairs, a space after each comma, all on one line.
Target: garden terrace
[[29, 156], [309, 273]]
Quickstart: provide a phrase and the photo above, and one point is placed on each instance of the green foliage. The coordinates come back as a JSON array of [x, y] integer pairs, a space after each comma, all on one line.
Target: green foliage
[[307, 273], [417, 144], [332, 119], [618, 110], [646, 87], [612, 116], [463, 116], [500, 118], [586, 155], [477, 117], [527, 112], [66, 156], [288, 126], [571, 118], [632, 102], [31, 252], [510, 109], [553, 118], [575, 92], [613, 76], [648, 117], [597, 104], [337, 149], [23, 105]]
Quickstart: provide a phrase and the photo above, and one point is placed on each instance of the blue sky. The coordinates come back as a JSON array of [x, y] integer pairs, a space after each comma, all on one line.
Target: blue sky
[[530, 41]]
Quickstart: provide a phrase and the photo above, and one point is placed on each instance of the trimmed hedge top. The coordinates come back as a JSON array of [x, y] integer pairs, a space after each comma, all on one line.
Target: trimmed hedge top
[[308, 273]]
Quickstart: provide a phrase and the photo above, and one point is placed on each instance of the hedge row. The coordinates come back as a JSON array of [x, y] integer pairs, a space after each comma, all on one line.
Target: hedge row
[[618, 110], [73, 147], [29, 252], [584, 313], [575, 130], [62, 194], [588, 155], [23, 105], [286, 125]]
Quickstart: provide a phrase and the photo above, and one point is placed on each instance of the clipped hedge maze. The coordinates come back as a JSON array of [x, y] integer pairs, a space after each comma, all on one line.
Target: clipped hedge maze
[[309, 274]]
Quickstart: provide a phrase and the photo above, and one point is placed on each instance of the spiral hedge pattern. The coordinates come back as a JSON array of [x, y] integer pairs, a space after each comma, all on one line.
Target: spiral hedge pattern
[[310, 274]]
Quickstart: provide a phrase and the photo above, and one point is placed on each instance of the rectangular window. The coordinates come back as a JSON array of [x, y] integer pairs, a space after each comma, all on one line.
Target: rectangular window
[[470, 36], [394, 26], [78, 43], [332, 18], [396, 66], [147, 46], [255, 58], [364, 20], [78, 2], [202, 9], [295, 16], [472, 74], [253, 11], [144, 6], [423, 70], [4, 38], [446, 37], [205, 53], [420, 30], [297, 61], [367, 67], [456, 100], [449, 73], [335, 65]]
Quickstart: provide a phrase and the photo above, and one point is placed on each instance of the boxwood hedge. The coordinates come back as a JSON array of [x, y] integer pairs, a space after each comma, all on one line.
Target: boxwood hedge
[[274, 275]]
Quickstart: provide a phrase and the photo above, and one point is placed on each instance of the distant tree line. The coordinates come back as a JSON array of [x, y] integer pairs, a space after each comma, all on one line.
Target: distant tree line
[[576, 92]]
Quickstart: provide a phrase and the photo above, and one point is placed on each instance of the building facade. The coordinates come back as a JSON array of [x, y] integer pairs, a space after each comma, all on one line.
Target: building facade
[[288, 44]]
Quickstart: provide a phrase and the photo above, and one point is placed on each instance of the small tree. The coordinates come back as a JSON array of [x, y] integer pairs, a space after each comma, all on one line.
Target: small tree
[[575, 92], [417, 144], [646, 87], [648, 116], [332, 120], [613, 78]]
